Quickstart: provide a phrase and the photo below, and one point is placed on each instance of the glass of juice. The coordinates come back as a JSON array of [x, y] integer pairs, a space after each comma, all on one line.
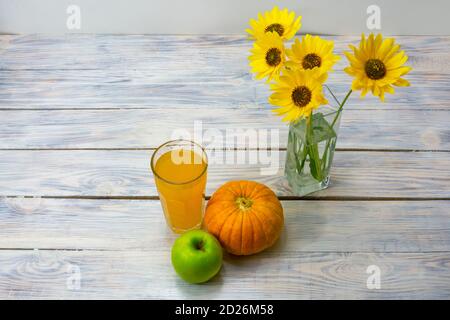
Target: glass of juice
[[179, 168]]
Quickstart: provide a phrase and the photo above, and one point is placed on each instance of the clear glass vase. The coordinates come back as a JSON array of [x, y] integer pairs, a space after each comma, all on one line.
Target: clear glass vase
[[310, 150]]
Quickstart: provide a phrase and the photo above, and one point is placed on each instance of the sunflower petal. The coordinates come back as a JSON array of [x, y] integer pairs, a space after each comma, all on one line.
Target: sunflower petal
[[401, 83]]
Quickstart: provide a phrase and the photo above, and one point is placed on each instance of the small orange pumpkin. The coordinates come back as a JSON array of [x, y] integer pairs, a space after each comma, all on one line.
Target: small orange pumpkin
[[245, 216]]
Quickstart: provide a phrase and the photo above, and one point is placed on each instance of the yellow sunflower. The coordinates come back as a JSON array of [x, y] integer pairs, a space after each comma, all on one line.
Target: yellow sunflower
[[298, 92], [282, 22], [377, 65], [312, 52], [268, 56]]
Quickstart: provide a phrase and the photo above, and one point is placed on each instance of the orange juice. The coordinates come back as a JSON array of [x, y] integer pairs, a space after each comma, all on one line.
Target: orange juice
[[180, 176]]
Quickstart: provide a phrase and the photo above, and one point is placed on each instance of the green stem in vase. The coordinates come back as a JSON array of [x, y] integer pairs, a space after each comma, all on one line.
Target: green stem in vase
[[302, 165], [313, 150], [325, 155], [338, 112], [299, 153], [294, 149]]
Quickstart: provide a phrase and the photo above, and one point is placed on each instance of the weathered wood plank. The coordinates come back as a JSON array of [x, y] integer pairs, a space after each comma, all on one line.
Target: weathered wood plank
[[84, 51], [148, 274], [127, 173], [310, 226], [82, 71], [159, 87], [361, 129]]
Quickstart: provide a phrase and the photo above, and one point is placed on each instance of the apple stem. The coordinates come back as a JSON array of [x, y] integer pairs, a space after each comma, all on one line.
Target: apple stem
[[200, 245]]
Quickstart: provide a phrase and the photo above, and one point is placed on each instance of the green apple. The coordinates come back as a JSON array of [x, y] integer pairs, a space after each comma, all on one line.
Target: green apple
[[196, 256]]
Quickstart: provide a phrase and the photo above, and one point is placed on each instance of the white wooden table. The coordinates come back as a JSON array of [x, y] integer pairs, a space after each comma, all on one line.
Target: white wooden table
[[81, 114]]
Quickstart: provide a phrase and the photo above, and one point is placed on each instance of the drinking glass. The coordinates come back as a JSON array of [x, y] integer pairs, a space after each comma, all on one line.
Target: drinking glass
[[180, 169]]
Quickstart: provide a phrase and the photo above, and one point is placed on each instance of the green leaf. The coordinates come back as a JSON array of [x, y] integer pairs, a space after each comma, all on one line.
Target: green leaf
[[315, 164], [322, 130]]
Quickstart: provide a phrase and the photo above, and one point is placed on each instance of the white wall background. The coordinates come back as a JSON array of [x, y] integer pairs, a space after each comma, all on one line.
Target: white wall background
[[220, 16]]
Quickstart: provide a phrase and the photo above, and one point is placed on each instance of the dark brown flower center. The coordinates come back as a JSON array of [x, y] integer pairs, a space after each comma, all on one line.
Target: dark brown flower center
[[375, 69], [311, 60], [273, 57], [278, 28], [301, 96]]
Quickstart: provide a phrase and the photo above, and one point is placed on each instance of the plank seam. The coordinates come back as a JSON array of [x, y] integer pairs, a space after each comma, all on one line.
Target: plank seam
[[224, 149], [187, 109], [266, 253], [282, 198]]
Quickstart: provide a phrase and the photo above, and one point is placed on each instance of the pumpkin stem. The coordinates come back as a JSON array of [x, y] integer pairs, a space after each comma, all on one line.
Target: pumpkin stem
[[244, 203]]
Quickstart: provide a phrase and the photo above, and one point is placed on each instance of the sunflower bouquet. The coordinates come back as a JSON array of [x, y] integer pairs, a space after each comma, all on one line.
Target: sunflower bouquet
[[297, 77]]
